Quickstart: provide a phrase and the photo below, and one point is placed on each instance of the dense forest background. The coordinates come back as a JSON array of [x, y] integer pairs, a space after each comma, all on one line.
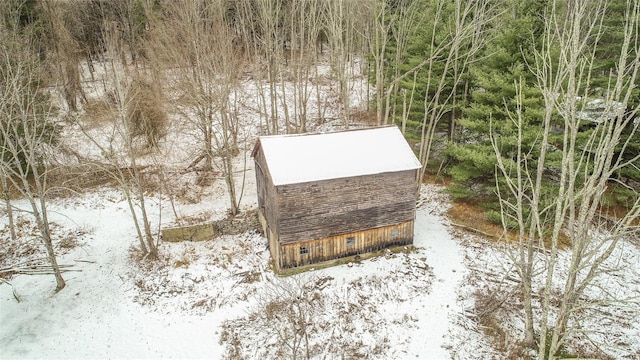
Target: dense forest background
[[445, 71]]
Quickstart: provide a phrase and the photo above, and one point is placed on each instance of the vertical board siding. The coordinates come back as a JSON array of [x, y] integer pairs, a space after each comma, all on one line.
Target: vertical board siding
[[336, 246]]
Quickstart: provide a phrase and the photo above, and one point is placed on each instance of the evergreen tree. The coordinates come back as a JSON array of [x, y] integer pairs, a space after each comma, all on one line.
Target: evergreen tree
[[605, 64], [506, 64], [426, 87], [502, 68], [432, 40]]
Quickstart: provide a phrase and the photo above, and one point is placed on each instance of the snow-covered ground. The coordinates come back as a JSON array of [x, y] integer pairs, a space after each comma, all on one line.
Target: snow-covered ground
[[95, 316], [114, 306], [191, 301], [415, 304], [215, 299]]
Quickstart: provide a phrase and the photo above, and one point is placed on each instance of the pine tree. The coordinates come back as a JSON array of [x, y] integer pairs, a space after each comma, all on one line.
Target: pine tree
[[429, 83], [432, 40], [606, 58], [493, 99]]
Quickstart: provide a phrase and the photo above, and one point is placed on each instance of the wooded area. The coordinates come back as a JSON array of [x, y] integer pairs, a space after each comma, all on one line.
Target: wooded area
[[529, 107]]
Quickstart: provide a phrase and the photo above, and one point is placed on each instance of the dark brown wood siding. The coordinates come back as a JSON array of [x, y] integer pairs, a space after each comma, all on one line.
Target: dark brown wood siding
[[322, 209], [290, 255], [267, 200]]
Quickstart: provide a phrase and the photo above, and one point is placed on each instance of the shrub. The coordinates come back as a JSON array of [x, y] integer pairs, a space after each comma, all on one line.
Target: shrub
[[146, 117]]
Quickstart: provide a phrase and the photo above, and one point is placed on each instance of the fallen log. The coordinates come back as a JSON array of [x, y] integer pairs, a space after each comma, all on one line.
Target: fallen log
[[37, 269], [478, 231]]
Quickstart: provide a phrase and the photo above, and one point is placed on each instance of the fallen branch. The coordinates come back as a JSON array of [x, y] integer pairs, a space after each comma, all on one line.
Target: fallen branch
[[608, 220], [196, 161], [496, 306], [37, 269], [473, 230], [491, 276], [13, 290], [85, 261], [21, 264]]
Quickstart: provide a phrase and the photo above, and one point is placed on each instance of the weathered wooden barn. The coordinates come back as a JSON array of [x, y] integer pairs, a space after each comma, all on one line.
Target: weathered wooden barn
[[325, 196]]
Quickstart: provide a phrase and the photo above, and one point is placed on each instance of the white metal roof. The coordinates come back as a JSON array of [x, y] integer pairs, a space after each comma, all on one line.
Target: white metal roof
[[303, 158]]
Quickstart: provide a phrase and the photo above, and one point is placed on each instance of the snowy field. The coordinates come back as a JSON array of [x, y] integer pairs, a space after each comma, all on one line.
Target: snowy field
[[113, 307], [401, 306], [217, 299]]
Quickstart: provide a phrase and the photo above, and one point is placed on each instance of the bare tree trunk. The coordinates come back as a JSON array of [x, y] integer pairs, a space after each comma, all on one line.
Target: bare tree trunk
[[305, 30], [469, 18], [563, 72], [9, 207], [264, 17], [148, 236], [226, 154], [207, 131], [134, 216], [382, 26], [25, 133], [43, 225], [527, 232], [340, 24], [320, 100]]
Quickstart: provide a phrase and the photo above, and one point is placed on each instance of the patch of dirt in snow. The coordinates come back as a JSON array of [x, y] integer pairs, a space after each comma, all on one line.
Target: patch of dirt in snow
[[362, 309], [370, 309], [433, 199]]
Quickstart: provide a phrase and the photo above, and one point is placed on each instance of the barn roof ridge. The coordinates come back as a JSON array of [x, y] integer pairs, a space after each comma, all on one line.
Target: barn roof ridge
[[300, 158], [329, 132]]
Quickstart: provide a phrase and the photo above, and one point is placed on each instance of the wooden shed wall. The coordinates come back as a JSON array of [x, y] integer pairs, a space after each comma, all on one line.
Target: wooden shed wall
[[322, 209], [267, 200], [372, 211], [290, 255]]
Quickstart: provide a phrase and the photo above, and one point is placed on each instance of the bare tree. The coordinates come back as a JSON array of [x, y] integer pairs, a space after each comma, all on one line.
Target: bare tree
[[343, 22], [563, 70], [4, 184], [457, 34], [65, 52], [463, 42], [27, 133], [382, 26], [391, 23], [263, 35], [302, 57], [129, 15], [119, 146], [197, 39], [285, 316]]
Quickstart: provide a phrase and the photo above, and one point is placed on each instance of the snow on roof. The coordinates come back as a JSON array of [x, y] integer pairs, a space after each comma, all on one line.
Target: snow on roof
[[302, 158]]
